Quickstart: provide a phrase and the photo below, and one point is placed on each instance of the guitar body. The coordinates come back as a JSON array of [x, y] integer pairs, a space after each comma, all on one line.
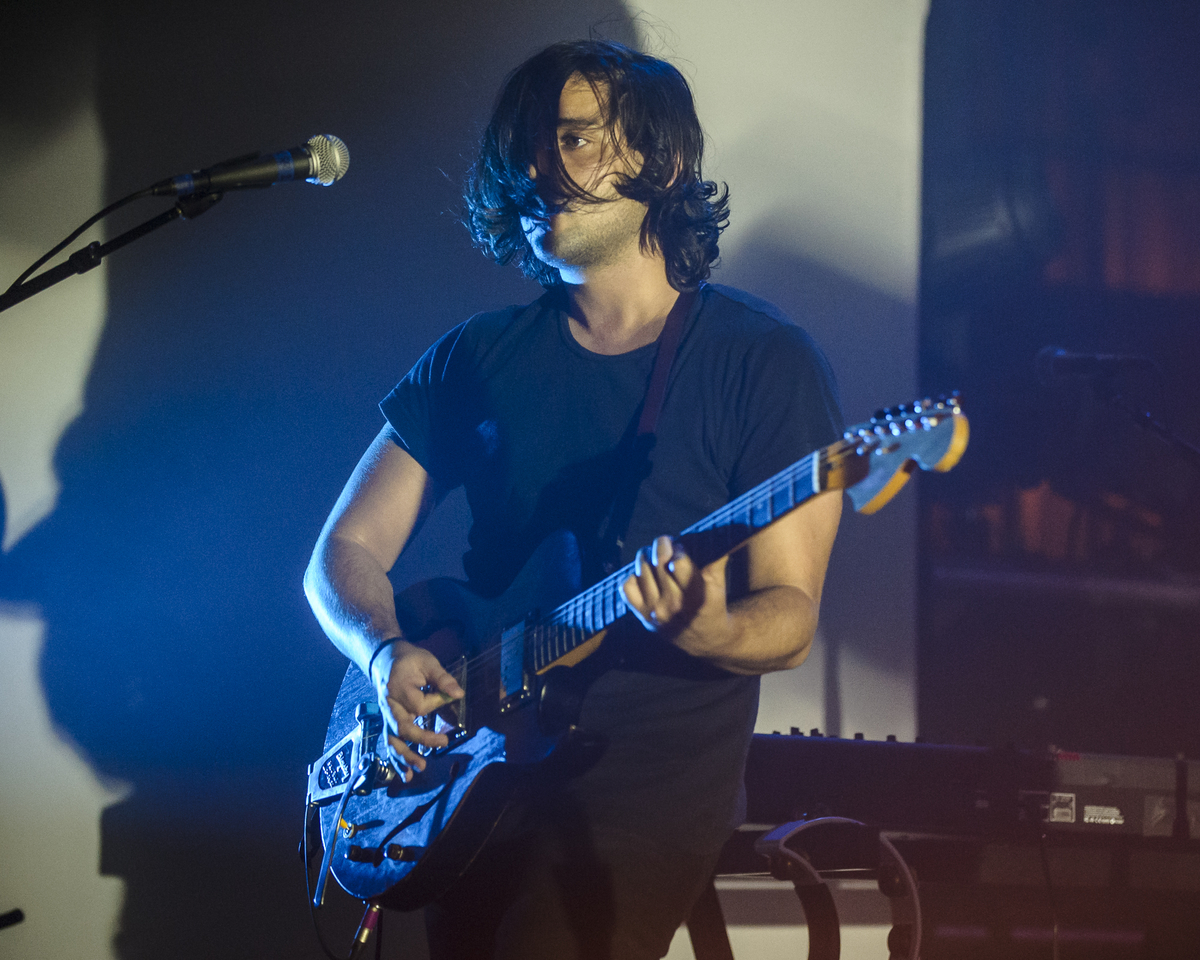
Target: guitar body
[[409, 842], [525, 667]]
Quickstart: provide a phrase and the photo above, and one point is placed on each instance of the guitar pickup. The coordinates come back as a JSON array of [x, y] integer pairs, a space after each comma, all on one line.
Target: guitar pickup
[[516, 686]]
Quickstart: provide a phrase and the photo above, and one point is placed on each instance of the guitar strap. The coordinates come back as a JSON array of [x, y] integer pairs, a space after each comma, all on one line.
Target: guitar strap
[[611, 538]]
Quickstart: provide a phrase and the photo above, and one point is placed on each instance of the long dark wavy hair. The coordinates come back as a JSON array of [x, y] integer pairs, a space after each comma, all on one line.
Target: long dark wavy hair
[[648, 110]]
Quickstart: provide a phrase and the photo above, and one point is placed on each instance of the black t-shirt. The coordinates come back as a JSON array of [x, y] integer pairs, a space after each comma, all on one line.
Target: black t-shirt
[[532, 424]]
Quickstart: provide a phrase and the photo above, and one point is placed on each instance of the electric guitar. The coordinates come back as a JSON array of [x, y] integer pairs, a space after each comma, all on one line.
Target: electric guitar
[[404, 844]]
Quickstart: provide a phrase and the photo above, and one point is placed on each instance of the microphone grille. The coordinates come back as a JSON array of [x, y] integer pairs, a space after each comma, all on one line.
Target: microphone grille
[[331, 159]]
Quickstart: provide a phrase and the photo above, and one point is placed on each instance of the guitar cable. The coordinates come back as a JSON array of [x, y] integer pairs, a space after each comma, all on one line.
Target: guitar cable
[[372, 919]]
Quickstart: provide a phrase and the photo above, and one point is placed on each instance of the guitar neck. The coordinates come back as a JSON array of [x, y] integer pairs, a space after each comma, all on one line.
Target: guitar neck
[[872, 461], [578, 620]]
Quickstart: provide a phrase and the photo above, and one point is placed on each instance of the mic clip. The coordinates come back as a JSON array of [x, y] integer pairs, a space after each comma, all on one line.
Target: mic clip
[[190, 207]]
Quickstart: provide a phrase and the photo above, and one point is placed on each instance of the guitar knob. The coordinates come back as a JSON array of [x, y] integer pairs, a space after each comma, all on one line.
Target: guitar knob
[[395, 851]]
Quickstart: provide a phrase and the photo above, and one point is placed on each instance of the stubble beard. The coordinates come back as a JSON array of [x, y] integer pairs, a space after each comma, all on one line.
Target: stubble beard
[[592, 235]]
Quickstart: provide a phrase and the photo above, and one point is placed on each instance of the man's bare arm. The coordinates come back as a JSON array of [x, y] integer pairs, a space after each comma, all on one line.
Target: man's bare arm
[[384, 502], [772, 625]]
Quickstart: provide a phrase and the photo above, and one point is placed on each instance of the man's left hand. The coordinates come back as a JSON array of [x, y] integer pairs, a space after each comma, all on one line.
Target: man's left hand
[[673, 597]]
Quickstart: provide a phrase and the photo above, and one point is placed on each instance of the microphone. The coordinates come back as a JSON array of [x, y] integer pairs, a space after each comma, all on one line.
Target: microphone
[[1052, 363], [323, 160]]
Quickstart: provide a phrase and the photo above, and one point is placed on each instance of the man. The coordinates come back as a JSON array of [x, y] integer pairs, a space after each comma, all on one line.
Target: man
[[589, 178]]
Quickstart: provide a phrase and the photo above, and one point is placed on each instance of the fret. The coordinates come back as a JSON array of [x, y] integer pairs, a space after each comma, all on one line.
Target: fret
[[537, 655], [589, 608], [783, 497], [801, 486], [760, 511]]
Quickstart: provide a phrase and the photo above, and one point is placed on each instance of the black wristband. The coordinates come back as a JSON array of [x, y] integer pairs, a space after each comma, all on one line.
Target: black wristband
[[379, 650]]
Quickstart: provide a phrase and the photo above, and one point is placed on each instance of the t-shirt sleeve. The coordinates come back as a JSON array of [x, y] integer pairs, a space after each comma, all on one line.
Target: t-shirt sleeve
[[424, 408], [789, 406]]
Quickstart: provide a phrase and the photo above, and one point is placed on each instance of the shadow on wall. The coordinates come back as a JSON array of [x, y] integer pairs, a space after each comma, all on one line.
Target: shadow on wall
[[867, 609], [231, 395]]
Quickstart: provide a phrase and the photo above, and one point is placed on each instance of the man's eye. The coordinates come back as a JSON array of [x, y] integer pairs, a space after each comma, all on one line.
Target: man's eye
[[573, 143]]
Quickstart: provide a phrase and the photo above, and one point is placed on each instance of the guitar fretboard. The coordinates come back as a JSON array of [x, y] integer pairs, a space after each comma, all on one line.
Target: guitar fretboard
[[599, 606]]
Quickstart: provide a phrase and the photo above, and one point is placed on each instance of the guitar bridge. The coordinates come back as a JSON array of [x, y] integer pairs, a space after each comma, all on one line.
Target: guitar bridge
[[450, 719]]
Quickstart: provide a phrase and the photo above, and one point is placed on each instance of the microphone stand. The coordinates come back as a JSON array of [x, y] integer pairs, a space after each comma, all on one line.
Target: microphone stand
[[90, 256], [1106, 389]]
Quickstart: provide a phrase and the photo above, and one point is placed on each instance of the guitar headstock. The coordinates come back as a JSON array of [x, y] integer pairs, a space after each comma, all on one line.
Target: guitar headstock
[[875, 459]]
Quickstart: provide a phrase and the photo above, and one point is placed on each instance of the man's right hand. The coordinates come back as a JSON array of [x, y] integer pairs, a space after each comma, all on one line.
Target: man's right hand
[[410, 683]]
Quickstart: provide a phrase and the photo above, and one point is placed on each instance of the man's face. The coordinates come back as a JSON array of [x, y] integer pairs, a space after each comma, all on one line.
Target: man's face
[[585, 234]]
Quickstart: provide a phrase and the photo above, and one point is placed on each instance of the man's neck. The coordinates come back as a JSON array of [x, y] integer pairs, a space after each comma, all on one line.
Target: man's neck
[[619, 308]]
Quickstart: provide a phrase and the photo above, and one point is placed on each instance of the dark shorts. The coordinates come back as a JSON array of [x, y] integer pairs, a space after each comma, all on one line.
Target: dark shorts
[[551, 887]]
